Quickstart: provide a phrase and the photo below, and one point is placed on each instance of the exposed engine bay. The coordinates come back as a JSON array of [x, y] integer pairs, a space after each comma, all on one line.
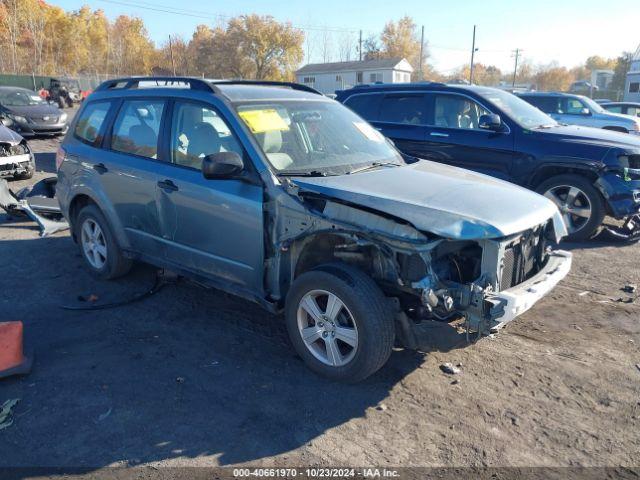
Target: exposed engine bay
[[427, 277]]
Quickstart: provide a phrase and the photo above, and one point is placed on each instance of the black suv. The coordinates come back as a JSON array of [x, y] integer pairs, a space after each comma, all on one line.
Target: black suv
[[588, 173]]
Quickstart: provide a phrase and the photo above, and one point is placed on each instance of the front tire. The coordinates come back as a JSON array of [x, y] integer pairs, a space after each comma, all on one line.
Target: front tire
[[100, 251], [580, 203], [339, 322]]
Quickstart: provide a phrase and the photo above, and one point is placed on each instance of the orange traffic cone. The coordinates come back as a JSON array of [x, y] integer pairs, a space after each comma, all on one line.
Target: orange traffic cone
[[12, 358]]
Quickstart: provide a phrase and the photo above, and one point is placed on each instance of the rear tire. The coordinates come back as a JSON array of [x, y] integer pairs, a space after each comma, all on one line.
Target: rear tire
[[101, 253], [575, 193], [350, 341]]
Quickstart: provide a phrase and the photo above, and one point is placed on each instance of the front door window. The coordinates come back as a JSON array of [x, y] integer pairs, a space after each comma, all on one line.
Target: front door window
[[453, 111]]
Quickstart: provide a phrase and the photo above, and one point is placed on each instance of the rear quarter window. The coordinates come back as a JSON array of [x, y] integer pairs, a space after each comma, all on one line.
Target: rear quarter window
[[90, 126], [367, 106]]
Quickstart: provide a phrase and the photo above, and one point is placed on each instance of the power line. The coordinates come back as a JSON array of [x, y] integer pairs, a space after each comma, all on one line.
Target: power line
[[163, 8], [208, 15]]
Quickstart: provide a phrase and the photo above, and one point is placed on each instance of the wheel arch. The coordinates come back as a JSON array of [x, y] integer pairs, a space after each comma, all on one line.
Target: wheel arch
[[331, 247], [552, 169], [83, 198]]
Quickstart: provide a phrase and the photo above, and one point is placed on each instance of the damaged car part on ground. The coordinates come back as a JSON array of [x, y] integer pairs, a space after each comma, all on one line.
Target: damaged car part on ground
[[272, 192], [38, 202], [16, 159]]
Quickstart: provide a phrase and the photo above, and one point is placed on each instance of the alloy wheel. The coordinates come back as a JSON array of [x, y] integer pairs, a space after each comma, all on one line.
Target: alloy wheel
[[327, 328], [574, 205], [94, 244]]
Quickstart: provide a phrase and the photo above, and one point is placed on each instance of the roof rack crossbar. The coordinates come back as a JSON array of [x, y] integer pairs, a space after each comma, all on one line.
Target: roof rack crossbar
[[292, 85], [134, 82]]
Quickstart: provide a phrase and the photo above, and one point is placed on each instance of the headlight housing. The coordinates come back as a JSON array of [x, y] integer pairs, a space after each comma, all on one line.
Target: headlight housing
[[18, 118], [63, 117]]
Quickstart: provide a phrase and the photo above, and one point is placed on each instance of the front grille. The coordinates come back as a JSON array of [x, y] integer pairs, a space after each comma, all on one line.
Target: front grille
[[45, 120], [522, 259]]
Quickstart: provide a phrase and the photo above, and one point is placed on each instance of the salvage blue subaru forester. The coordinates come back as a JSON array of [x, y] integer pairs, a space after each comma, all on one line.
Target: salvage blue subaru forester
[[280, 195]]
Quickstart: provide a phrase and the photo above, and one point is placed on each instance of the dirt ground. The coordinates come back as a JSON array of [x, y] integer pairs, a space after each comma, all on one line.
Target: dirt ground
[[193, 377]]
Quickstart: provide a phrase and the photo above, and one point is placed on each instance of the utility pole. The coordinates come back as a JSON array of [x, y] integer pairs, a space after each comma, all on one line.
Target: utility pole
[[173, 65], [360, 45], [421, 54], [517, 53], [473, 52]]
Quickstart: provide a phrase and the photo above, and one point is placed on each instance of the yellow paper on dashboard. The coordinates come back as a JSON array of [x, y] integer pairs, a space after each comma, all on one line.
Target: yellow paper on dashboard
[[264, 120]]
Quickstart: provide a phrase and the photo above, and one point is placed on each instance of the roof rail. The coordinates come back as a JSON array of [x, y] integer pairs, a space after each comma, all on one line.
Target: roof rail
[[292, 85], [133, 82], [195, 83], [421, 83]]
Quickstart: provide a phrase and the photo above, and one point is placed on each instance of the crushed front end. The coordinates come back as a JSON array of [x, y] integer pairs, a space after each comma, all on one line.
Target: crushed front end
[[16, 159], [484, 282], [489, 282]]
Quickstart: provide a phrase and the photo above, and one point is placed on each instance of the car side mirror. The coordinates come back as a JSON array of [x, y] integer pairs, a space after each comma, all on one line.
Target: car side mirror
[[222, 165], [490, 122], [585, 111]]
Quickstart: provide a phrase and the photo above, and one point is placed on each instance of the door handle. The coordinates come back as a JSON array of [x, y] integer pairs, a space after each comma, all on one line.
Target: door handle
[[168, 185], [100, 168], [439, 134]]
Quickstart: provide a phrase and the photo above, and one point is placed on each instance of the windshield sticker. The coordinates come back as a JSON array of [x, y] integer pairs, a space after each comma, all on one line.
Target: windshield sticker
[[369, 132], [265, 120]]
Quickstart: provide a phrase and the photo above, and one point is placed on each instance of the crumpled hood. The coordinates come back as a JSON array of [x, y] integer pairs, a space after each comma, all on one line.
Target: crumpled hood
[[447, 201], [9, 136]]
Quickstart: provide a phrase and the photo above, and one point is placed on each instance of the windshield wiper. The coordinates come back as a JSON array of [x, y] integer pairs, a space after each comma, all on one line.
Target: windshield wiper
[[372, 166], [305, 173]]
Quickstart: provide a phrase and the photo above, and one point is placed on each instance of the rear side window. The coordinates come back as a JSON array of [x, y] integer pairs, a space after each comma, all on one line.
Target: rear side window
[[137, 127], [89, 125], [367, 106], [403, 108], [614, 108], [634, 87]]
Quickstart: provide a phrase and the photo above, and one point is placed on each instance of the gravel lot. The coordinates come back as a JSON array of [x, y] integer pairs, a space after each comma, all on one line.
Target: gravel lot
[[193, 377]]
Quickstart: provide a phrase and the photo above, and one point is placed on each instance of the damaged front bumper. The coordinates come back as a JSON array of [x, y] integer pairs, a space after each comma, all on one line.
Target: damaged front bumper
[[15, 165], [622, 195], [515, 301]]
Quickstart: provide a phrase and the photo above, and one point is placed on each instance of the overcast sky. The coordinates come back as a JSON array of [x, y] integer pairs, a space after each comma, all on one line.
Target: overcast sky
[[566, 31]]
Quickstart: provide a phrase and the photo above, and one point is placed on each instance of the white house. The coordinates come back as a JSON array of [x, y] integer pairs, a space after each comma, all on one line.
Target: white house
[[632, 85], [329, 77]]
